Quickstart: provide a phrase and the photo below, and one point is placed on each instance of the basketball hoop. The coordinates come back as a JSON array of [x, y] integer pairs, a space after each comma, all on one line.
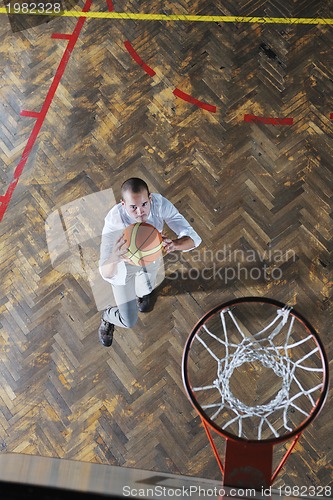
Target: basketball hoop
[[256, 372]]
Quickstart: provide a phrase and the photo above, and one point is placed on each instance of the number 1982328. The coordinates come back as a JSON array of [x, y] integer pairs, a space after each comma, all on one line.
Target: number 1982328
[[306, 491], [33, 8]]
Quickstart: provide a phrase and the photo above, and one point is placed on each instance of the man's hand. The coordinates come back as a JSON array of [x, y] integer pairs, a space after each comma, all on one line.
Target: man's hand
[[168, 244], [183, 243], [118, 254], [119, 250]]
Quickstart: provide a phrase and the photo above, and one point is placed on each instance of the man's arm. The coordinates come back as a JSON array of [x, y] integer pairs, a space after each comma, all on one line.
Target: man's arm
[[183, 243], [113, 246], [187, 237], [109, 267]]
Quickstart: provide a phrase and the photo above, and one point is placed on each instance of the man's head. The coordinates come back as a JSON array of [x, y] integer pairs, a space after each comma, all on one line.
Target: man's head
[[135, 197]]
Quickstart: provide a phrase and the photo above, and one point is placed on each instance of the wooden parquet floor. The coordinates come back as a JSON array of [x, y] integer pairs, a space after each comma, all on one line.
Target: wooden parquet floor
[[244, 185]]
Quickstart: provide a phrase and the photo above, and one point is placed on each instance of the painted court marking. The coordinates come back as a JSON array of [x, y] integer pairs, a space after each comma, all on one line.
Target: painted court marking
[[110, 5], [188, 98], [129, 47], [40, 116], [268, 120], [181, 17], [72, 39], [177, 92]]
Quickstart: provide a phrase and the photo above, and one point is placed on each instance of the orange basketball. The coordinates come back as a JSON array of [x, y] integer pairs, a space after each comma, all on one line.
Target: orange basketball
[[144, 243]]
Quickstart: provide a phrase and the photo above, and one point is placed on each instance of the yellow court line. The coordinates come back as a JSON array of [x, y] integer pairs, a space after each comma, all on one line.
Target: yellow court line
[[178, 17]]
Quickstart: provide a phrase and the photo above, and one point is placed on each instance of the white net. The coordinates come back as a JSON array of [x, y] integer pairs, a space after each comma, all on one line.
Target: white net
[[264, 370]]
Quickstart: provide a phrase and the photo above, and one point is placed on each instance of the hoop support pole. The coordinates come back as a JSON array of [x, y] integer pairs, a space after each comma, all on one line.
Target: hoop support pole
[[210, 438], [285, 456], [248, 465]]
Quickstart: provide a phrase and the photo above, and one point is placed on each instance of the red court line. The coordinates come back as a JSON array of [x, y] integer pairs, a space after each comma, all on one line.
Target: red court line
[[61, 36], [270, 121], [192, 100], [31, 114], [110, 5], [138, 59], [5, 200]]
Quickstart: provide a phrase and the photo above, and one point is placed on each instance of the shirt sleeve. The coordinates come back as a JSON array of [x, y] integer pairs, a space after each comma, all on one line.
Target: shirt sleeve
[[112, 230], [178, 223]]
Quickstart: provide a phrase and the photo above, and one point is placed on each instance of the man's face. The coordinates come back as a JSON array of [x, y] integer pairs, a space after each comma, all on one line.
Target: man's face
[[137, 204]]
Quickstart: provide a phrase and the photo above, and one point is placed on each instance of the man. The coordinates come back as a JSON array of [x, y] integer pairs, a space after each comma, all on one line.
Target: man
[[132, 285]]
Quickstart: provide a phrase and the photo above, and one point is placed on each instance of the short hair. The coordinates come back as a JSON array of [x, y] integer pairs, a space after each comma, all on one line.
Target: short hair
[[135, 185]]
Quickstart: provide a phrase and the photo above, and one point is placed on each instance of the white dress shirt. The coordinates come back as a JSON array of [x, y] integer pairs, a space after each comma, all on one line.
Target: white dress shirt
[[161, 211]]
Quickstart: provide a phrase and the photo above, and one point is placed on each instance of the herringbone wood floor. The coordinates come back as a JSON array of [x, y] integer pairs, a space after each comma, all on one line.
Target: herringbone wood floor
[[245, 185]]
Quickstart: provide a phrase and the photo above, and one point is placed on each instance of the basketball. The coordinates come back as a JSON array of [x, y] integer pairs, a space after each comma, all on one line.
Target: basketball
[[144, 243]]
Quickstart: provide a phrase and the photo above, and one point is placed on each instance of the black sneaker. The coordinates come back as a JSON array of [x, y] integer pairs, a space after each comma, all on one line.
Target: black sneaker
[[105, 333], [143, 303]]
